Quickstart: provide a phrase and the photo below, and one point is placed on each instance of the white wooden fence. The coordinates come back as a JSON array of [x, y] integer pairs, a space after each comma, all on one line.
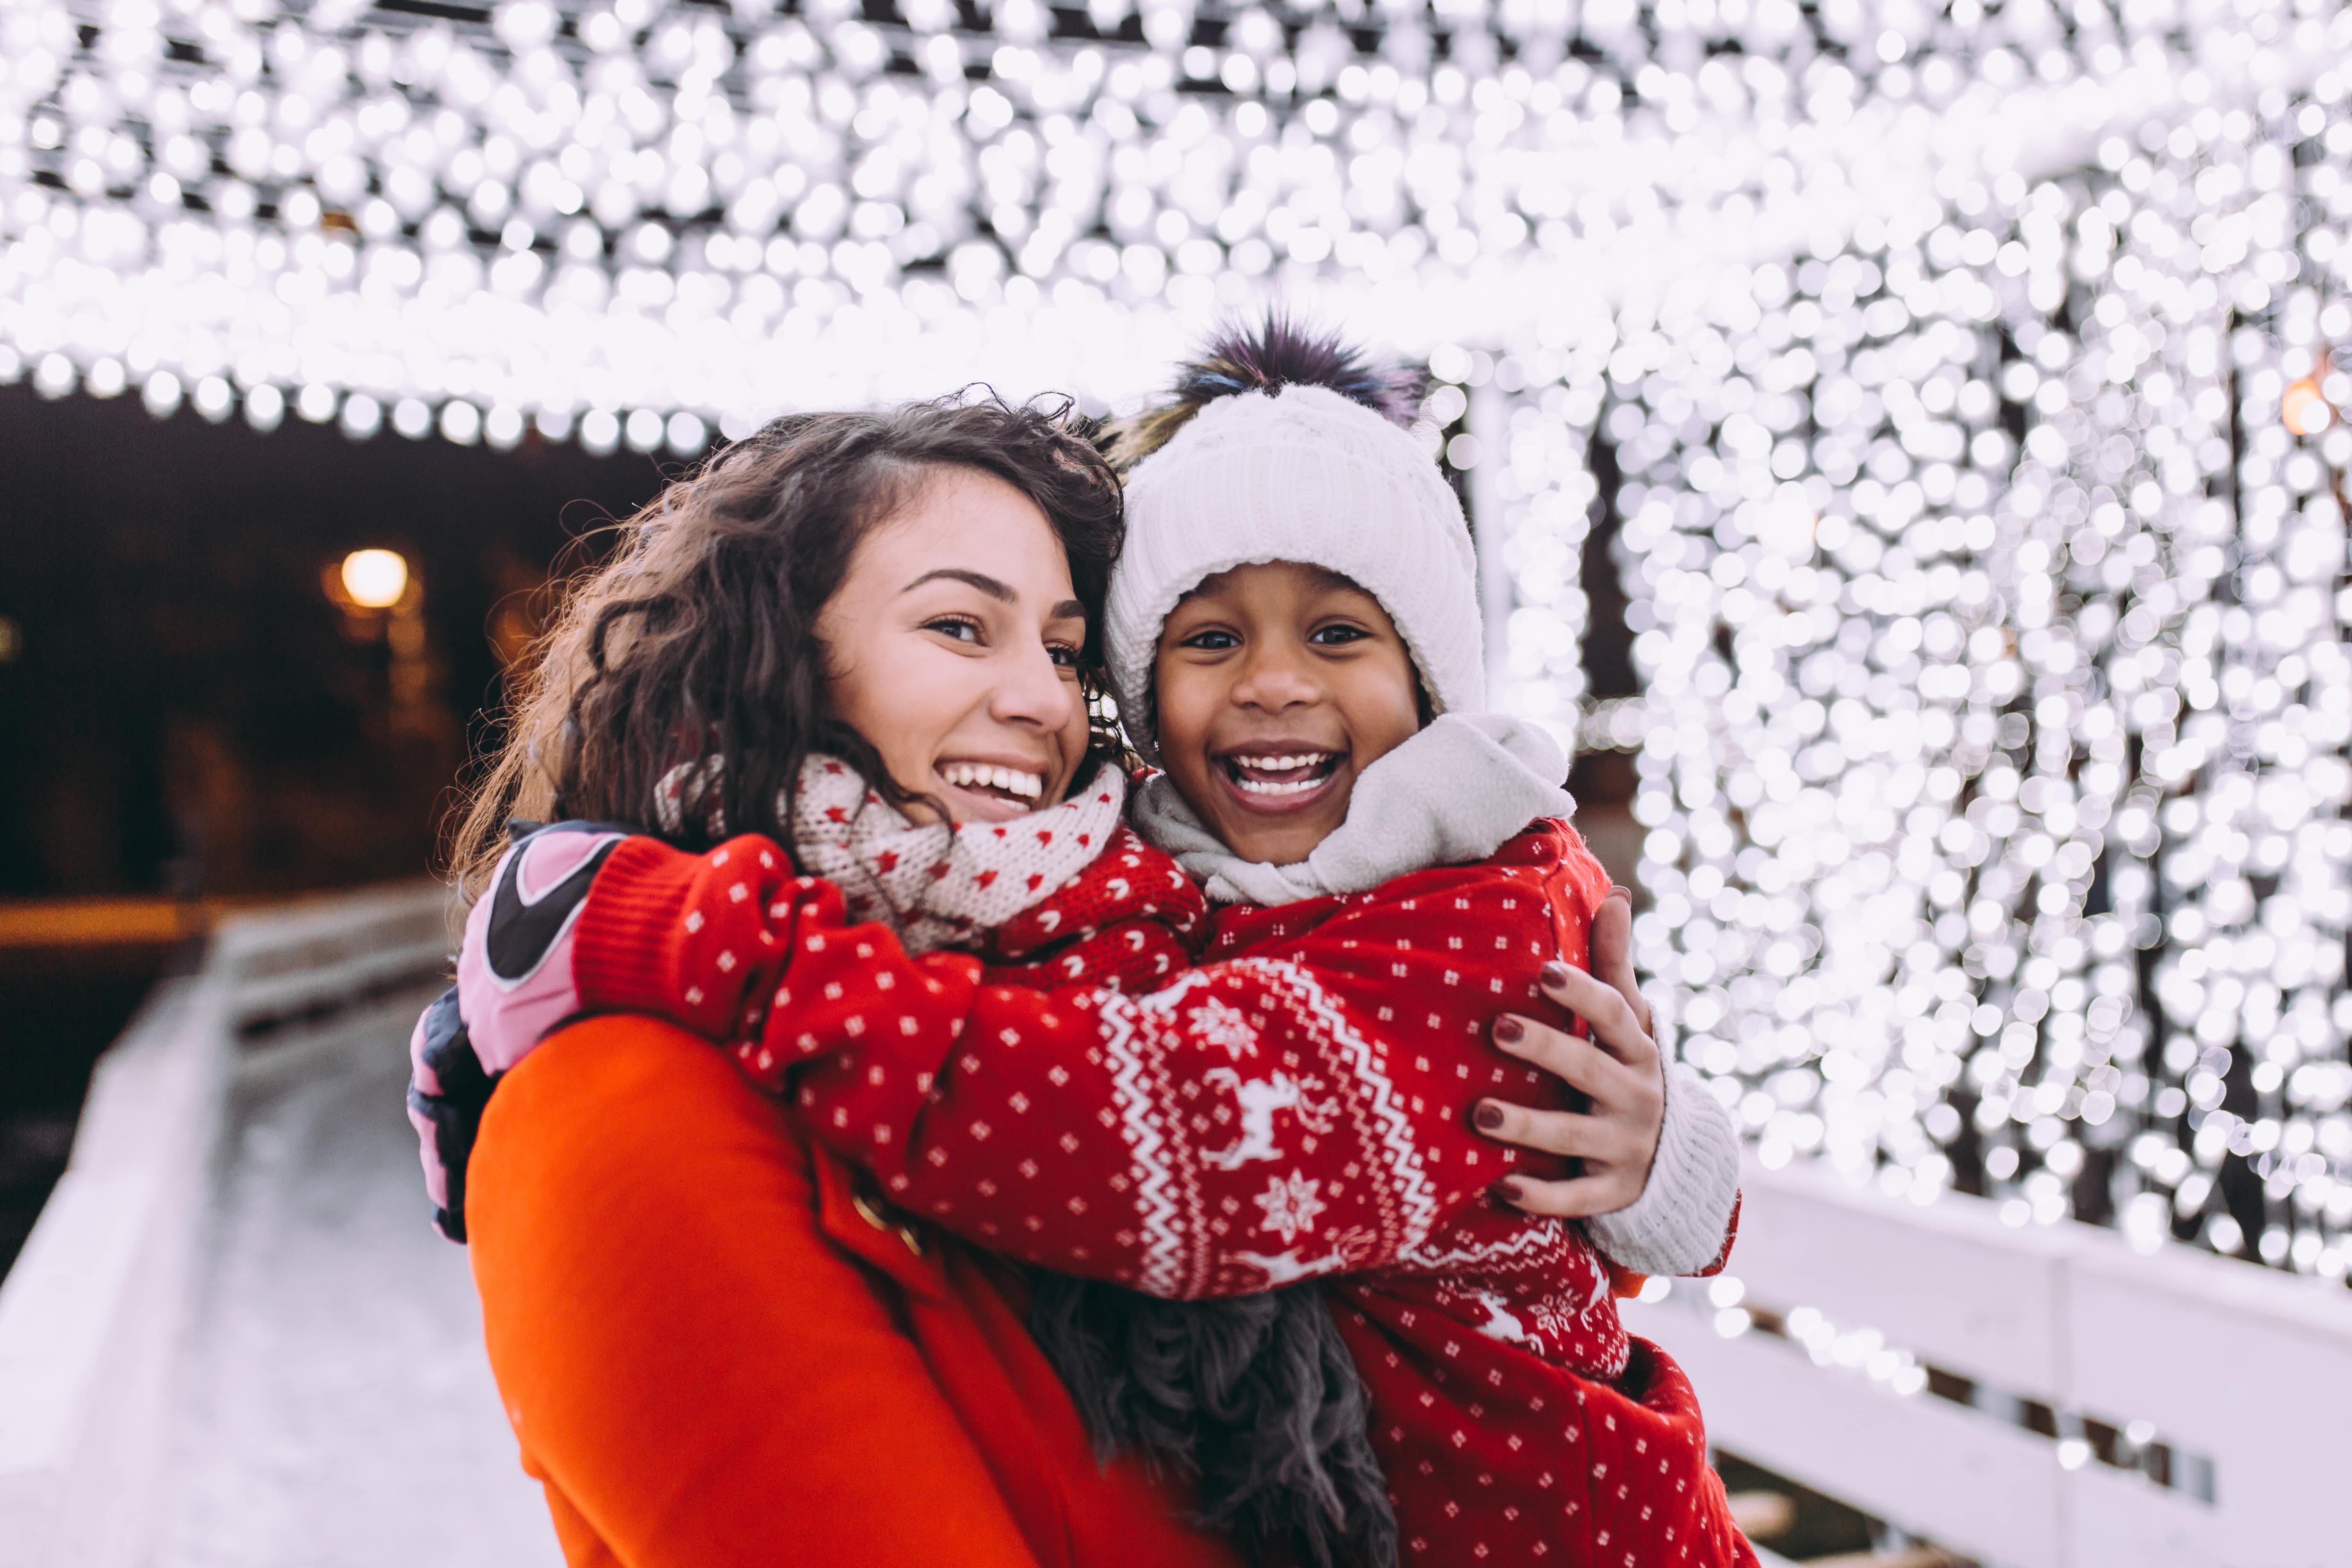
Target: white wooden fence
[[2243, 1373], [93, 1313]]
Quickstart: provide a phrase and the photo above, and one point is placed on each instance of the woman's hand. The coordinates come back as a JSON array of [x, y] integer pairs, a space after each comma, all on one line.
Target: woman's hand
[[1618, 1071]]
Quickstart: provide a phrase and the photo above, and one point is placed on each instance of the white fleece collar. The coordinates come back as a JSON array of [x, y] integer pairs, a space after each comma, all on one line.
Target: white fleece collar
[[1449, 796]]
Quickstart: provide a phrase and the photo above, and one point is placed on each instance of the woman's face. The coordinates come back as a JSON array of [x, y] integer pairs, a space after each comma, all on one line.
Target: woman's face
[[952, 646], [1274, 686]]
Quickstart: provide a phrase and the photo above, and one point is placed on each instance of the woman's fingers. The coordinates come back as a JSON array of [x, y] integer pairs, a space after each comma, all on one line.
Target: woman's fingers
[[1582, 1063], [1600, 1140], [1611, 1017], [1546, 1132], [1613, 952], [1574, 1198]]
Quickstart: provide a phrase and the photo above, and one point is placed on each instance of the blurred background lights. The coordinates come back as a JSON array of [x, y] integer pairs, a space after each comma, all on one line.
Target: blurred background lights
[[375, 579], [1948, 403], [723, 212], [2305, 409], [1988, 572]]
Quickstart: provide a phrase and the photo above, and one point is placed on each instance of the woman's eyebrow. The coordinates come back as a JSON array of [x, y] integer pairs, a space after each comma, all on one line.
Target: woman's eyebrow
[[997, 591], [1067, 609]]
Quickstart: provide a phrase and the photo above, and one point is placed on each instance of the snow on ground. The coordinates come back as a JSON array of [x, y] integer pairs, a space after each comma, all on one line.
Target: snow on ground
[[338, 1410]]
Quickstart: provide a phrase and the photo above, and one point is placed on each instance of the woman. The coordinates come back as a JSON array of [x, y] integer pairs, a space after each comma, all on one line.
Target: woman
[[667, 1329], [675, 1340]]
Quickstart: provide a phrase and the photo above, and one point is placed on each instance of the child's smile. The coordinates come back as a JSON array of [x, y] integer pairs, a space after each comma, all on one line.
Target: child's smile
[[1276, 685], [1282, 775]]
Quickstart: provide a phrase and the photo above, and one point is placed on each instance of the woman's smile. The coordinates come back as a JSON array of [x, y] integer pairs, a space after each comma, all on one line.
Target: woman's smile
[[992, 791]]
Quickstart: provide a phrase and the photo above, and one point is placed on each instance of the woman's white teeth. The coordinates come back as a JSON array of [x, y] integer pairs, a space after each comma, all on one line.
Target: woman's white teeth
[[979, 776], [1283, 764]]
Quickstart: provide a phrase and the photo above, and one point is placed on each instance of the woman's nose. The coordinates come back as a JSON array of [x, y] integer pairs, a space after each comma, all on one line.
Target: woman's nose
[[1032, 689]]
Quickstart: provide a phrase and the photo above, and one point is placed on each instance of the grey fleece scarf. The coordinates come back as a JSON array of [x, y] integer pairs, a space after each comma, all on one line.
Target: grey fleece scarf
[[1450, 795]]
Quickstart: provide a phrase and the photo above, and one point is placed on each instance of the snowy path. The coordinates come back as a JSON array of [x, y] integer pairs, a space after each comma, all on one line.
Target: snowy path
[[339, 1411]]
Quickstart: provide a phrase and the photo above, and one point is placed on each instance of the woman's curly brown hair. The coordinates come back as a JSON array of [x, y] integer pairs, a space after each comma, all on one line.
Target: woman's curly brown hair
[[696, 638]]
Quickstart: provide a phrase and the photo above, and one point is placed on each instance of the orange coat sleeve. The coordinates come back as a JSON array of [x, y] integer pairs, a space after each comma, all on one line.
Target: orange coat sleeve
[[696, 1375]]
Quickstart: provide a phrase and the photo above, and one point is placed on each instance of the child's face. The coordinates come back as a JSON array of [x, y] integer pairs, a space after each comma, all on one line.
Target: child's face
[[952, 646], [1276, 687]]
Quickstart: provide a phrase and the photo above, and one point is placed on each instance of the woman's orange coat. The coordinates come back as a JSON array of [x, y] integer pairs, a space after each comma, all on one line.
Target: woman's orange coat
[[715, 1353]]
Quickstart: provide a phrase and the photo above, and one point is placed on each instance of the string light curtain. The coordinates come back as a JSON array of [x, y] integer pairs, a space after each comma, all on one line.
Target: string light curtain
[[1989, 574], [643, 219]]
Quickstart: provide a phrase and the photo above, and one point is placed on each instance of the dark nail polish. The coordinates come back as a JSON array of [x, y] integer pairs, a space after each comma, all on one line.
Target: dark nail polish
[[1504, 1192], [1489, 1118], [1508, 1029], [1555, 973]]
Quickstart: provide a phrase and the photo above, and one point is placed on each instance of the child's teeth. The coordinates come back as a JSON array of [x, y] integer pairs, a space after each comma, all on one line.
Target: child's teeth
[[1270, 787]]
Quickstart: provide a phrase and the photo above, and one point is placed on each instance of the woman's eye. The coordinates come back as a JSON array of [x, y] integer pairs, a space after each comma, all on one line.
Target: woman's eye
[[1336, 636], [1063, 654], [961, 628], [1212, 640]]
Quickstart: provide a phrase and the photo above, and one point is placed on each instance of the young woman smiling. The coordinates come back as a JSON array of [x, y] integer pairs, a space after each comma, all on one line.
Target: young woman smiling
[[714, 1347], [964, 675]]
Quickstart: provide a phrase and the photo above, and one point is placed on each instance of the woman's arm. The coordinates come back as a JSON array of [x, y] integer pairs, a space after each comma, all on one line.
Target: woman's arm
[[700, 1378]]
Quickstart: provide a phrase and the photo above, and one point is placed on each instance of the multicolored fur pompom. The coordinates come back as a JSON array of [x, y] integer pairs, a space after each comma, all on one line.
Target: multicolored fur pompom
[[1277, 351]]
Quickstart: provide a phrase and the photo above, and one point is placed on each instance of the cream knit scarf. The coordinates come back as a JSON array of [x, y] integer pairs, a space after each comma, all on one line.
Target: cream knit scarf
[[1450, 795], [937, 884]]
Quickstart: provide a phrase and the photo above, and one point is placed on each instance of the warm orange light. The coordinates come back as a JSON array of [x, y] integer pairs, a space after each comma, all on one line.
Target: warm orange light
[[375, 579], [2305, 409]]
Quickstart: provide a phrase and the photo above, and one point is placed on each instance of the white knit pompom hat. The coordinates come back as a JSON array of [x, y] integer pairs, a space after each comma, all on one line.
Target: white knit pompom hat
[[1302, 474]]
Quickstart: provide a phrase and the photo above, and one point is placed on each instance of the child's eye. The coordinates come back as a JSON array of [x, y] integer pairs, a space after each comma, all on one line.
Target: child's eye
[[962, 628], [1338, 637], [1212, 641]]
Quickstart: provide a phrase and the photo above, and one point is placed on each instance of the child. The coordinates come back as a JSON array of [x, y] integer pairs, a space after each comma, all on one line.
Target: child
[[1292, 634]]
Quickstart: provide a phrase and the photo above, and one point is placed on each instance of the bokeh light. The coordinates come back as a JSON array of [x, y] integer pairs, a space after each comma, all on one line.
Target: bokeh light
[[375, 579]]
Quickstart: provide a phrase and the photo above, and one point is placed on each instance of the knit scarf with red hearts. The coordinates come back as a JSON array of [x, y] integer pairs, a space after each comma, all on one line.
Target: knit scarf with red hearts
[[938, 884]]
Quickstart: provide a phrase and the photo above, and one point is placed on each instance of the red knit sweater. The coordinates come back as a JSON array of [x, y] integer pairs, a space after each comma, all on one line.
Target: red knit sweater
[[1297, 1105]]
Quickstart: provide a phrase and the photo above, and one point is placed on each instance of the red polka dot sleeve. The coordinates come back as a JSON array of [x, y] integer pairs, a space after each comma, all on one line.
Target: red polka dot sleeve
[[1297, 1111], [700, 939]]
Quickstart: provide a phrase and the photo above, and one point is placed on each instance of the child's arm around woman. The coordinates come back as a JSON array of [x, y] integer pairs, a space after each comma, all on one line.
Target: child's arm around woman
[[1301, 1106]]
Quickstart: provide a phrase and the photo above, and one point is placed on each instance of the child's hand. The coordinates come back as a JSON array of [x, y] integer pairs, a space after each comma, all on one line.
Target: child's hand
[[1618, 1071], [514, 968]]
